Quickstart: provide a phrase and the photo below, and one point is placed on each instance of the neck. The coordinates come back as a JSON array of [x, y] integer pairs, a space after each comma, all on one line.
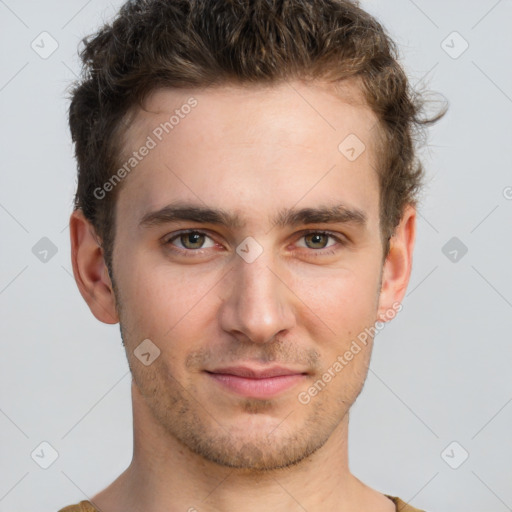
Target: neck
[[165, 475]]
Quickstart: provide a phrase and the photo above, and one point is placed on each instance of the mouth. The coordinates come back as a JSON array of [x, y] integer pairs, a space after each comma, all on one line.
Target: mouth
[[260, 383]]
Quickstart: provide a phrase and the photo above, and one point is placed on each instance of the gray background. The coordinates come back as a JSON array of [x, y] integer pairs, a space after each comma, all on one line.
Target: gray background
[[440, 371]]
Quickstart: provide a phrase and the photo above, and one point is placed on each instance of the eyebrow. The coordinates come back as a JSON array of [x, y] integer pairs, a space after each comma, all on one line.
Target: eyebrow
[[285, 217]]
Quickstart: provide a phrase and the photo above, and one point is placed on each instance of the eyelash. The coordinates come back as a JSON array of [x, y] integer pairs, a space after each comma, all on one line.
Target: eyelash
[[330, 250]]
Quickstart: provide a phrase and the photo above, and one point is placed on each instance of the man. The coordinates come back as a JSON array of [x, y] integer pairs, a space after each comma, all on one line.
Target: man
[[246, 211]]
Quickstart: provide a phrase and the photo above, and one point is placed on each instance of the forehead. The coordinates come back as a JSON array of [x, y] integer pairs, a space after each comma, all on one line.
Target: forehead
[[243, 144], [317, 104]]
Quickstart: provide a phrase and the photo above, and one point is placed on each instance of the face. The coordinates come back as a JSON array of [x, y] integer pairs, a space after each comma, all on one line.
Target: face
[[248, 251]]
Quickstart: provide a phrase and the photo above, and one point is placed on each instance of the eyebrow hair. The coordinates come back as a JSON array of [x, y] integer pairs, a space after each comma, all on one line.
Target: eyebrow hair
[[285, 217]]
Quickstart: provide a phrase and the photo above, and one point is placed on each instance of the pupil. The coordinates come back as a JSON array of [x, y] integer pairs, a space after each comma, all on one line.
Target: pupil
[[193, 238]]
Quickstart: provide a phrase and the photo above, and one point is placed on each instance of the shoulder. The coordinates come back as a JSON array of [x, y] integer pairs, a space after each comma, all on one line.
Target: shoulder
[[83, 506], [402, 506], [87, 506]]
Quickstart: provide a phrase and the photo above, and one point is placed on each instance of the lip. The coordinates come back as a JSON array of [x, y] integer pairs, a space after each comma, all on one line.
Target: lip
[[262, 383]]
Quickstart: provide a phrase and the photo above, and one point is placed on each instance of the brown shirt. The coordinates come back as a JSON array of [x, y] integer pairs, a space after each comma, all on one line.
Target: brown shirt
[[87, 506]]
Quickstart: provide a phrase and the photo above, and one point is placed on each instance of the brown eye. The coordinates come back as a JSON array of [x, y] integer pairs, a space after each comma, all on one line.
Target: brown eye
[[191, 240], [316, 240]]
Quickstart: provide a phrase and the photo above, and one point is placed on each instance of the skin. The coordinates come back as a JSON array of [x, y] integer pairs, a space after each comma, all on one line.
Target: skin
[[300, 304]]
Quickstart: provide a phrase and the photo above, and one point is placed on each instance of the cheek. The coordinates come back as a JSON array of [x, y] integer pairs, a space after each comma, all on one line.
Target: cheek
[[346, 301], [165, 302], [168, 302]]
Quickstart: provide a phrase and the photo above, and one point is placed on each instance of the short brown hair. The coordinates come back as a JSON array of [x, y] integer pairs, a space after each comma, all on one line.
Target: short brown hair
[[186, 43]]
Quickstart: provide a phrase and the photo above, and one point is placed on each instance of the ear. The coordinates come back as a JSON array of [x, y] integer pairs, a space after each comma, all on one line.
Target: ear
[[90, 270], [397, 266]]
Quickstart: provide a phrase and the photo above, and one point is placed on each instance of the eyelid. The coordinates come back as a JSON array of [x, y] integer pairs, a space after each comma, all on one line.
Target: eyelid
[[173, 236], [330, 250], [339, 237]]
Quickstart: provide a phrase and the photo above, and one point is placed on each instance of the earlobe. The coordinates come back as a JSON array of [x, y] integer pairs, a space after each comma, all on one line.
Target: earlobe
[[90, 270], [398, 266]]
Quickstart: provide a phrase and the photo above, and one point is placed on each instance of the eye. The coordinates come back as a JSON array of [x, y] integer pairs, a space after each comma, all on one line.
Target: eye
[[191, 240], [195, 243], [319, 240]]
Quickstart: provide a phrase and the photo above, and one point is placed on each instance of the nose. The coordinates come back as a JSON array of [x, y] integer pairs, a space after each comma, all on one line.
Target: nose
[[258, 304]]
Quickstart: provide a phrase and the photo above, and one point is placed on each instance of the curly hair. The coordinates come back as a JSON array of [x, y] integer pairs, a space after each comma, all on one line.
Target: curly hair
[[185, 43]]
